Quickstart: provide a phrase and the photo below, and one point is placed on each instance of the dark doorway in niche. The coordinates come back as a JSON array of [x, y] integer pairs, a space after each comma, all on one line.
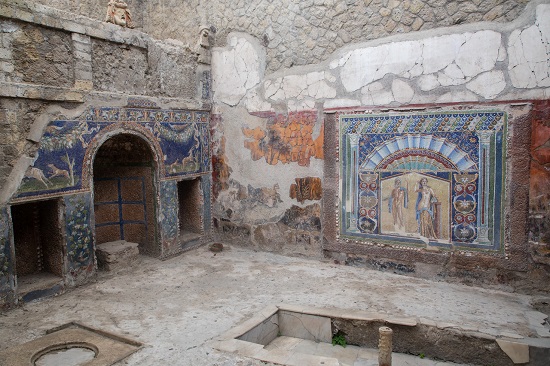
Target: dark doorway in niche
[[38, 242], [189, 202], [124, 193]]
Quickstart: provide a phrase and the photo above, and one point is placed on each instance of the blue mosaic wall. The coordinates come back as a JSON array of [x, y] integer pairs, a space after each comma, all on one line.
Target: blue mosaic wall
[[207, 209], [168, 211], [6, 267], [78, 231], [183, 137], [423, 179]]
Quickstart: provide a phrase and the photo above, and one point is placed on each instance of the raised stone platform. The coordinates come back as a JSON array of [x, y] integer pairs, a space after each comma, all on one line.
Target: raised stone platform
[[116, 255]]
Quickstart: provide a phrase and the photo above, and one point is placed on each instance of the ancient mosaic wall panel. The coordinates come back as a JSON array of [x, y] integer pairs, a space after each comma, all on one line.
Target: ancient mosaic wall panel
[[423, 179], [169, 210], [78, 230], [182, 138], [6, 267]]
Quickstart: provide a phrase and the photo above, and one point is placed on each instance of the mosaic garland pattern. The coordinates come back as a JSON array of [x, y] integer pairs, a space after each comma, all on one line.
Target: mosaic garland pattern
[[183, 137], [423, 179]]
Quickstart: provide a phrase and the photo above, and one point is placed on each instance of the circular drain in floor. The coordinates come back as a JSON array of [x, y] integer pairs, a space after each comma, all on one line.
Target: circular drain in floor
[[73, 356]]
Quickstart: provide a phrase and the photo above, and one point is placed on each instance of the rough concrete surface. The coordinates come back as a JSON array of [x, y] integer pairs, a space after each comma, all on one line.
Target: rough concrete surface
[[176, 306]]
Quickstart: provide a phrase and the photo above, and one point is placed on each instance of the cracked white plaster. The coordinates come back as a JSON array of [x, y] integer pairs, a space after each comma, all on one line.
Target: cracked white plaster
[[451, 75], [254, 103], [428, 82], [311, 85], [366, 65], [375, 94], [329, 77], [402, 92], [235, 69], [457, 96], [303, 105], [273, 89], [294, 85], [314, 77], [321, 90], [528, 50], [341, 103], [488, 85], [479, 53], [439, 52], [340, 61]]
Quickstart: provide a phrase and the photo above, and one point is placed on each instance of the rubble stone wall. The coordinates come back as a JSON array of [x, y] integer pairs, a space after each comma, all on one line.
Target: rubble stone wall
[[300, 32]]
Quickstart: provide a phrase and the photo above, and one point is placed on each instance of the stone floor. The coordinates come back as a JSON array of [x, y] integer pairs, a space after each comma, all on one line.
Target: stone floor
[[178, 306], [350, 355]]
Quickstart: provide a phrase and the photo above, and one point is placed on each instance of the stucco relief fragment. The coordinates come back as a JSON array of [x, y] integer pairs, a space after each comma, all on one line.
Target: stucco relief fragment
[[202, 49], [118, 13]]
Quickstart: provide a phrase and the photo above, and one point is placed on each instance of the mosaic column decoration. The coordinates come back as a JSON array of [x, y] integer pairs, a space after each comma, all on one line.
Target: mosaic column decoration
[[353, 201], [484, 166]]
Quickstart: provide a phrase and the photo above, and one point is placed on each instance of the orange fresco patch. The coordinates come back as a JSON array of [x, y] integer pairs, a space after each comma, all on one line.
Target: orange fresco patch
[[287, 139], [308, 188]]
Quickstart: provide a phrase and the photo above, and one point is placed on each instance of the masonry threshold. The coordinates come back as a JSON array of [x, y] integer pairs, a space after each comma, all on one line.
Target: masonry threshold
[[297, 336]]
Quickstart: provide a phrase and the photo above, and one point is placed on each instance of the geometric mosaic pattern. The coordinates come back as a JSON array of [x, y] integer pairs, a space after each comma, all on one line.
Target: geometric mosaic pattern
[[423, 179]]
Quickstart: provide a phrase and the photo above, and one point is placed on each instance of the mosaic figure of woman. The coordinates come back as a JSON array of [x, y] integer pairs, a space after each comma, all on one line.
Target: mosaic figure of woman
[[425, 209]]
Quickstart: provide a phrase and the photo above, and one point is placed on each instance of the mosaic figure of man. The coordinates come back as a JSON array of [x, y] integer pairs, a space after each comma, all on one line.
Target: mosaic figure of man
[[399, 199]]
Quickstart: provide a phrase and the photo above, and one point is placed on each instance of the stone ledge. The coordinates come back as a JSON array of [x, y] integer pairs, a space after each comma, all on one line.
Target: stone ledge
[[29, 12], [43, 92]]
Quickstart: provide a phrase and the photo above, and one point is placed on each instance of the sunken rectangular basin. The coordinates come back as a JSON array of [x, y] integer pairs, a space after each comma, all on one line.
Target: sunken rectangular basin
[[300, 335]]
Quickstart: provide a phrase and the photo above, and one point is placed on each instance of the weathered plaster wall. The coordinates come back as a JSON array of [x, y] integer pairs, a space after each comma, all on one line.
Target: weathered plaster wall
[[263, 117]]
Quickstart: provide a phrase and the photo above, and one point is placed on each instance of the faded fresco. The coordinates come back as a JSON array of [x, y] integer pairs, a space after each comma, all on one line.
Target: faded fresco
[[308, 188], [423, 179], [183, 137], [288, 139]]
